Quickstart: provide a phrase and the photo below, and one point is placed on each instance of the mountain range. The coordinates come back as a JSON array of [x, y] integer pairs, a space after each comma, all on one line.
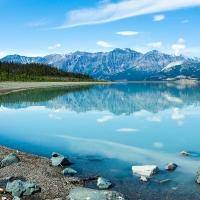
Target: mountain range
[[121, 65]]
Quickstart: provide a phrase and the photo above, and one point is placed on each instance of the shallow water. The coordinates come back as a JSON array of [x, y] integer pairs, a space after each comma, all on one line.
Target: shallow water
[[106, 129]]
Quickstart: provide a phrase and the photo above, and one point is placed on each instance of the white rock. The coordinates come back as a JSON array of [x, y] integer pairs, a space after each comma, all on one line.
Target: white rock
[[145, 170]]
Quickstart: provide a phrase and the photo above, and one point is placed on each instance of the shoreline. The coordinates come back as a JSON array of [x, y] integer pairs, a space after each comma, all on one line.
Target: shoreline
[[37, 169], [10, 87]]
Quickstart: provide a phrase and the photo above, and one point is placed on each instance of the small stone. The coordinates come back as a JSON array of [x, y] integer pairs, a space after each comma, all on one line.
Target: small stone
[[69, 171], [1, 190], [185, 153], [103, 183], [4, 198], [143, 178], [171, 167], [198, 176]]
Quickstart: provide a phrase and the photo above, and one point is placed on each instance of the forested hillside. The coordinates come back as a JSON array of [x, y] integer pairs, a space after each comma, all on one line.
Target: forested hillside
[[10, 71]]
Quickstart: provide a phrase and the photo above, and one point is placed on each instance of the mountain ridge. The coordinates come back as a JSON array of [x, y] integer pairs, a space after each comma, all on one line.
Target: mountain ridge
[[120, 64]]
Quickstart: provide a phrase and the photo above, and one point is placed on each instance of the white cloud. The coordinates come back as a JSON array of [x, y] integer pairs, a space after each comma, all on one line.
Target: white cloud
[[178, 48], [105, 118], [104, 44], [181, 40], [185, 21], [55, 46], [158, 17], [38, 23], [108, 12], [127, 130], [54, 116], [177, 115], [158, 145], [127, 33], [154, 119], [155, 44]]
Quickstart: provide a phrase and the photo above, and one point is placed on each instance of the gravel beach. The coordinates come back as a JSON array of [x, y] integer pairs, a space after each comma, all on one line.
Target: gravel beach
[[37, 169], [8, 87]]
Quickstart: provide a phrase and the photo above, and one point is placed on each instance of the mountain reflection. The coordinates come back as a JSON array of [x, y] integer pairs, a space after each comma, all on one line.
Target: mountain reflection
[[117, 98]]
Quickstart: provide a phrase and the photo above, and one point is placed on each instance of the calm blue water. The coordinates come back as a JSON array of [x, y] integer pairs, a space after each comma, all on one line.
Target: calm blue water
[[106, 129]]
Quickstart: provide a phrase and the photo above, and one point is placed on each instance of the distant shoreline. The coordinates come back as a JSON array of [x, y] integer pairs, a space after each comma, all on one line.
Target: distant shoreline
[[10, 87]]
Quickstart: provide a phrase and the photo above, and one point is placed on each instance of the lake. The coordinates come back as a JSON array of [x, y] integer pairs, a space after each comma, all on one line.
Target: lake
[[106, 129]]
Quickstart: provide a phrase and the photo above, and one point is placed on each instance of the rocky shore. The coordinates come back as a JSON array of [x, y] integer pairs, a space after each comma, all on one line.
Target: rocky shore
[[30, 177], [37, 169]]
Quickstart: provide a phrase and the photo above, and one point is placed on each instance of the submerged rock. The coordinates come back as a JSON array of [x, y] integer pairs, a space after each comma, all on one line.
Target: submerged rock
[[143, 179], [69, 171], [171, 167], [103, 183], [145, 170], [19, 188], [9, 160], [198, 176], [58, 159], [185, 153], [91, 194], [8, 178], [163, 181]]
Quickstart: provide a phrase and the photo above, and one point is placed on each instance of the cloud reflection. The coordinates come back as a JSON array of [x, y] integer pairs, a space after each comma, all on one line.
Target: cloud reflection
[[128, 153], [105, 118], [127, 130]]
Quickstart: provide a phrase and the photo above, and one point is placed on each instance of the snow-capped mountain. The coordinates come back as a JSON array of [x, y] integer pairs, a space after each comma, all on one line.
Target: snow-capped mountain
[[119, 64]]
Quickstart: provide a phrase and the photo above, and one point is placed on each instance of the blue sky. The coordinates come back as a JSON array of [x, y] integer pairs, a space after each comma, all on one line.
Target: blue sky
[[42, 27]]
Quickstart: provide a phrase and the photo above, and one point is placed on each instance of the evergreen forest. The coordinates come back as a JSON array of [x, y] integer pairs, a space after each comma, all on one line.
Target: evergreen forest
[[35, 72]]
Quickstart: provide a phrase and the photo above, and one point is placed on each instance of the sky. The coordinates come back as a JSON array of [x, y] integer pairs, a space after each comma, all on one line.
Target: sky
[[43, 27]]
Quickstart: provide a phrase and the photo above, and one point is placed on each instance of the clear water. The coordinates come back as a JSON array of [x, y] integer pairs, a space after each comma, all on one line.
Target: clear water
[[106, 129]]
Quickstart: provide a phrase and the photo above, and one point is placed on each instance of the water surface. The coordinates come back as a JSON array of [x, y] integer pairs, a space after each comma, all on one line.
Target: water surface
[[108, 128]]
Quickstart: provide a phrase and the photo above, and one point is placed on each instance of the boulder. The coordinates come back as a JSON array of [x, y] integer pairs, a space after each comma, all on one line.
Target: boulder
[[69, 171], [58, 159], [86, 193], [103, 183], [145, 170], [198, 176], [19, 188], [9, 160], [171, 167]]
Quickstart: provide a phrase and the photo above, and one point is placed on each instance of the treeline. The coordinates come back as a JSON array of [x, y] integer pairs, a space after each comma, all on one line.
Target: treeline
[[10, 71]]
